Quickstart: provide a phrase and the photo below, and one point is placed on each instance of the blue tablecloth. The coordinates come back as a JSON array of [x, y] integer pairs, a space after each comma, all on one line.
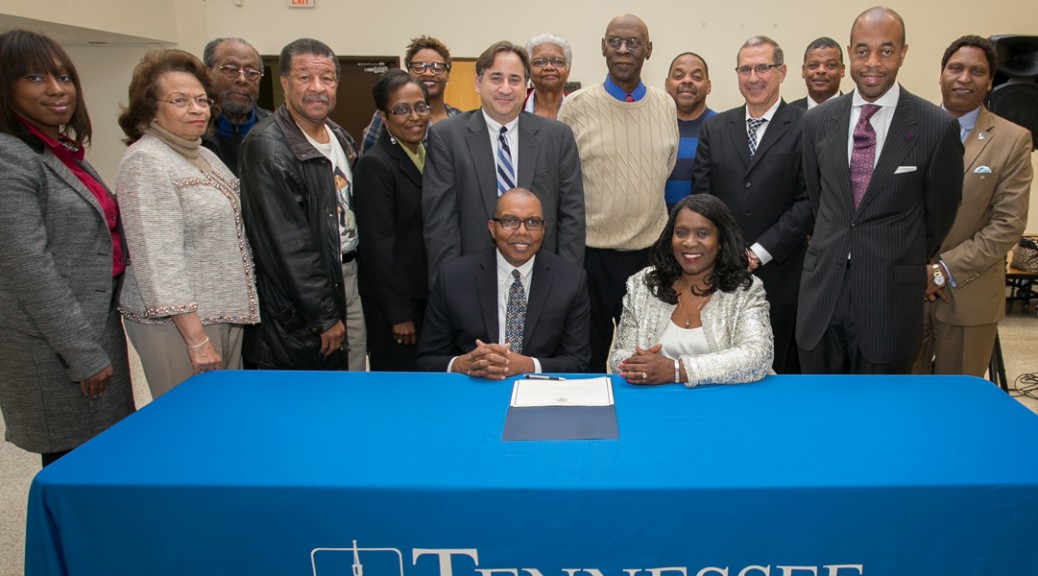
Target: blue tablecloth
[[406, 475]]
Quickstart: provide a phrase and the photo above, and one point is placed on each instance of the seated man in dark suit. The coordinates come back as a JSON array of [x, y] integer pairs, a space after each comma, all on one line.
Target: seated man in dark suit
[[479, 320]]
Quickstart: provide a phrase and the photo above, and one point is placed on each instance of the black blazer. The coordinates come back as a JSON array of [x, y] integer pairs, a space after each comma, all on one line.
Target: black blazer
[[460, 186], [800, 103], [387, 201], [766, 193], [463, 307], [907, 210]]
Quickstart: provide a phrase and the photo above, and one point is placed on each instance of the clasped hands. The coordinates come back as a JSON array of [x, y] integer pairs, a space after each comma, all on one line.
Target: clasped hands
[[648, 367], [492, 361]]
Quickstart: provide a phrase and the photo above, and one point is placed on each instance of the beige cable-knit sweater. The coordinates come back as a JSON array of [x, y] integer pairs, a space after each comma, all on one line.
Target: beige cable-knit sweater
[[627, 151]]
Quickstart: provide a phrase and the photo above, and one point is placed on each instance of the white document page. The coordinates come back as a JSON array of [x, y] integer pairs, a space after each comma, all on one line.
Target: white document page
[[580, 392]]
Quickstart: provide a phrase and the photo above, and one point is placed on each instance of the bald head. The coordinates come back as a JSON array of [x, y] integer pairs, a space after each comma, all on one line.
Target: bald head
[[628, 20], [626, 47], [880, 16], [876, 52]]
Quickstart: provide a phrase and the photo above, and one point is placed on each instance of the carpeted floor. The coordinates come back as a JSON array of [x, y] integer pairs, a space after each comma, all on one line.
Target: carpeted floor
[[1018, 334]]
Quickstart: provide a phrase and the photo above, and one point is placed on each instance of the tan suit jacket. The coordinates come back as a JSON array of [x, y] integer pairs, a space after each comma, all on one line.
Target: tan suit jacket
[[990, 221]]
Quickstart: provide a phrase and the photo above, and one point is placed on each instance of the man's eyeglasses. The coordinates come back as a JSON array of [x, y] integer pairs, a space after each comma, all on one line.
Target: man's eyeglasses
[[632, 43], [436, 67], [542, 62], [232, 72], [512, 223], [405, 110], [183, 101], [760, 69]]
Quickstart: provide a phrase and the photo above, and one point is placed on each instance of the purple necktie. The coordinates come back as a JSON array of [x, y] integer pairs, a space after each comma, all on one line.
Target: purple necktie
[[863, 155]]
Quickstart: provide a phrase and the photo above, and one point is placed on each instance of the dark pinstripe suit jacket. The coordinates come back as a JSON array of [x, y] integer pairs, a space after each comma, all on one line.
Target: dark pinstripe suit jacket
[[908, 208]]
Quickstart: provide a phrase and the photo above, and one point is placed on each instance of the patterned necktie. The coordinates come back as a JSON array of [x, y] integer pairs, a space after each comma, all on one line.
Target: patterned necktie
[[628, 98], [505, 173], [515, 313], [863, 155], [751, 131]]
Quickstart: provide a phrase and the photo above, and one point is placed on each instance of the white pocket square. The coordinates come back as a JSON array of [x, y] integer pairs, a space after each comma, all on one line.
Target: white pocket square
[[904, 169], [982, 170]]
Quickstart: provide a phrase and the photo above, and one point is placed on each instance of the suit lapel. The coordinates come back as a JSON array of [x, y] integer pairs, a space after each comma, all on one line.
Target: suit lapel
[[402, 160], [977, 140], [738, 138], [776, 130], [481, 154], [833, 147], [486, 291], [900, 138], [540, 286], [61, 171], [529, 150]]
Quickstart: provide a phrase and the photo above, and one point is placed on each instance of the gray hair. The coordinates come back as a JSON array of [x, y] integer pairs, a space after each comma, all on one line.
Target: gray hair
[[759, 41], [305, 47], [549, 38], [209, 54]]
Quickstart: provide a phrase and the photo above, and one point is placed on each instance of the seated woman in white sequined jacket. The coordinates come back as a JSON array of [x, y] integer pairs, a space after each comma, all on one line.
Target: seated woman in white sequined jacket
[[696, 315], [189, 287]]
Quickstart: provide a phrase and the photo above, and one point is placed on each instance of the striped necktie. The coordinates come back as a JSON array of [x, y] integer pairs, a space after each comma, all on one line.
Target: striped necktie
[[505, 172]]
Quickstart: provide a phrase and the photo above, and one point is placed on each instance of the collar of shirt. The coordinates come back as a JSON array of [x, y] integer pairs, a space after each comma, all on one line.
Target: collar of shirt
[[811, 101], [619, 93], [511, 134], [967, 122], [880, 120], [228, 129], [888, 100], [504, 275], [767, 116]]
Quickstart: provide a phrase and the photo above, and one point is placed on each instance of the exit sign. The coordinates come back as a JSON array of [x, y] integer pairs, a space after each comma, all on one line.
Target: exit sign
[[302, 3]]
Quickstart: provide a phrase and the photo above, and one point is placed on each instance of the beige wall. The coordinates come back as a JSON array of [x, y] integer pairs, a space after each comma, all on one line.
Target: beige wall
[[715, 30]]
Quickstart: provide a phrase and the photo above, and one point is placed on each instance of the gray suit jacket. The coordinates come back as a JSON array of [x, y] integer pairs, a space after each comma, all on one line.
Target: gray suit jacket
[[58, 324], [459, 188], [906, 212]]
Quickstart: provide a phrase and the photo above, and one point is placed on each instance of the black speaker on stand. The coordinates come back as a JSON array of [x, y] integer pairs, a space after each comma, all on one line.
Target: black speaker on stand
[[1014, 95]]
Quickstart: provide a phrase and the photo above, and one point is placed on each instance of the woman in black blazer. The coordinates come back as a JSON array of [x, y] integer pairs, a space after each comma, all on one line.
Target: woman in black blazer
[[393, 276]]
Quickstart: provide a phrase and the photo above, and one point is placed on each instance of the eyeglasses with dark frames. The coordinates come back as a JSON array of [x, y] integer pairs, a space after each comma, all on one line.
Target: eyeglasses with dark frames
[[512, 223], [405, 110], [437, 68]]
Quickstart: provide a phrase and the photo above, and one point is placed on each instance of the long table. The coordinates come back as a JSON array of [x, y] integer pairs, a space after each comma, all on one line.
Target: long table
[[331, 474]]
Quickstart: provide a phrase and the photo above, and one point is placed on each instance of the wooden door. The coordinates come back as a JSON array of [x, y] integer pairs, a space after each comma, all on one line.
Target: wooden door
[[354, 105]]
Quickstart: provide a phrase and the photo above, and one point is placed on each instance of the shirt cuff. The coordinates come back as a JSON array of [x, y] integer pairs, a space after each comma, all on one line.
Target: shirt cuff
[[536, 365], [948, 274], [451, 364], [763, 255]]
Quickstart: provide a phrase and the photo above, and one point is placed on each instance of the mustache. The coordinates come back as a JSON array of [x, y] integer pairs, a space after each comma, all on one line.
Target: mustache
[[322, 98]]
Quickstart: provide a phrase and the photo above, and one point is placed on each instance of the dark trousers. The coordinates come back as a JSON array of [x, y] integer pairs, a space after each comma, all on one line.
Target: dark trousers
[[783, 326], [607, 274], [838, 352], [384, 354], [49, 458]]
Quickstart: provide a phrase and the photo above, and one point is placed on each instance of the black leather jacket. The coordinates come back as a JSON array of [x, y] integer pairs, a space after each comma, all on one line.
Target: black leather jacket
[[289, 205]]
